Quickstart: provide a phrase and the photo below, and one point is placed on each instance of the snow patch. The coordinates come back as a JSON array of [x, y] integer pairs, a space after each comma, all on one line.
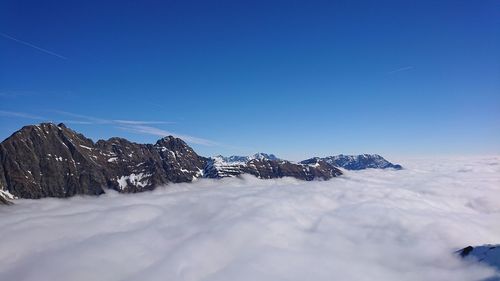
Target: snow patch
[[138, 180], [7, 194], [113, 159]]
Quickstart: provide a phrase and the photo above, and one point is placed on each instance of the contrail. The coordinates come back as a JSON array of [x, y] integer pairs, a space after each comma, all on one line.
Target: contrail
[[400, 69], [33, 46]]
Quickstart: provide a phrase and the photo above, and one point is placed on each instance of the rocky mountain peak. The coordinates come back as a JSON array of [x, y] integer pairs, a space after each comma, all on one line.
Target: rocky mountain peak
[[172, 143]]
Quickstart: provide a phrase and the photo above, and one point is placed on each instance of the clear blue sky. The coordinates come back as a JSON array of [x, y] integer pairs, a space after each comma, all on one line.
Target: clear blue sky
[[295, 78]]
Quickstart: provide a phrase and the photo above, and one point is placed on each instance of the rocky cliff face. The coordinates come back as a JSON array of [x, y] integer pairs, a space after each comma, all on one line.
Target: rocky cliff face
[[49, 160], [355, 162]]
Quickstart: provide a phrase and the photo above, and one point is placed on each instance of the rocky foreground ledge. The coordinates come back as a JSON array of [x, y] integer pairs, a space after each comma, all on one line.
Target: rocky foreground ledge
[[49, 160], [486, 254]]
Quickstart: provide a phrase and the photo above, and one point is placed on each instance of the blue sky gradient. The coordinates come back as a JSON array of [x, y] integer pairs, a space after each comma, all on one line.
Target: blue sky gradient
[[295, 78]]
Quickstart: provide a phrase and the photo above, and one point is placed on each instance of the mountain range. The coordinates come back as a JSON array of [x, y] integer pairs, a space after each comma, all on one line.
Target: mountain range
[[49, 160]]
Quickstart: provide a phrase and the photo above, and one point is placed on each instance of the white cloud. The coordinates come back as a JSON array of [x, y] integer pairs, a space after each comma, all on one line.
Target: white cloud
[[367, 225], [137, 126], [401, 69], [20, 115], [162, 133], [135, 122]]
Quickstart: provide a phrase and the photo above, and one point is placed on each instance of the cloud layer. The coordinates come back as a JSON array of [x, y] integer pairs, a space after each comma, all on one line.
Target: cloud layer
[[367, 225]]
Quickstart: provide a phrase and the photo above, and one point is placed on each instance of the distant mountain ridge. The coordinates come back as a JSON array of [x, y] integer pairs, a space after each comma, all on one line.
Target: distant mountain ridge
[[220, 166], [49, 160], [356, 162], [266, 166], [258, 156]]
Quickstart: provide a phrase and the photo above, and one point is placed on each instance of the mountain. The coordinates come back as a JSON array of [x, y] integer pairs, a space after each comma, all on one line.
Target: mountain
[[267, 166], [49, 160], [355, 162]]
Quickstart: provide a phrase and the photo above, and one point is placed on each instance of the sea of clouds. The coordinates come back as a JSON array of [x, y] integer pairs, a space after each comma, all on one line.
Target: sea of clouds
[[365, 225]]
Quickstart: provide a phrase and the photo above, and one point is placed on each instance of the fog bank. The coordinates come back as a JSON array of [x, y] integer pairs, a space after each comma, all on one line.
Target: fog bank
[[365, 225]]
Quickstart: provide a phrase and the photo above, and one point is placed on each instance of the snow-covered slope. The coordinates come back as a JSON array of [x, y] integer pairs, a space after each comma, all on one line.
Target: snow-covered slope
[[243, 159], [220, 167]]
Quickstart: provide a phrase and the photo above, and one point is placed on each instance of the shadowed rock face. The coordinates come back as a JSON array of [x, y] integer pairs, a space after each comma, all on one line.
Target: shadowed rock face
[[49, 160]]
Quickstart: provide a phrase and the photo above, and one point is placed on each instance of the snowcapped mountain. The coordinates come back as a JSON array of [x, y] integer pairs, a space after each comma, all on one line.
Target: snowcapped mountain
[[355, 162]]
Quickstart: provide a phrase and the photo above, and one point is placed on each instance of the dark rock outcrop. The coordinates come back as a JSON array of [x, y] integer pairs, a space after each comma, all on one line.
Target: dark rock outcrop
[[355, 162]]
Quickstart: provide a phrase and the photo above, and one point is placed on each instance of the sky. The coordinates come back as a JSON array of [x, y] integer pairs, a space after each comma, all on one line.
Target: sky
[[293, 78]]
